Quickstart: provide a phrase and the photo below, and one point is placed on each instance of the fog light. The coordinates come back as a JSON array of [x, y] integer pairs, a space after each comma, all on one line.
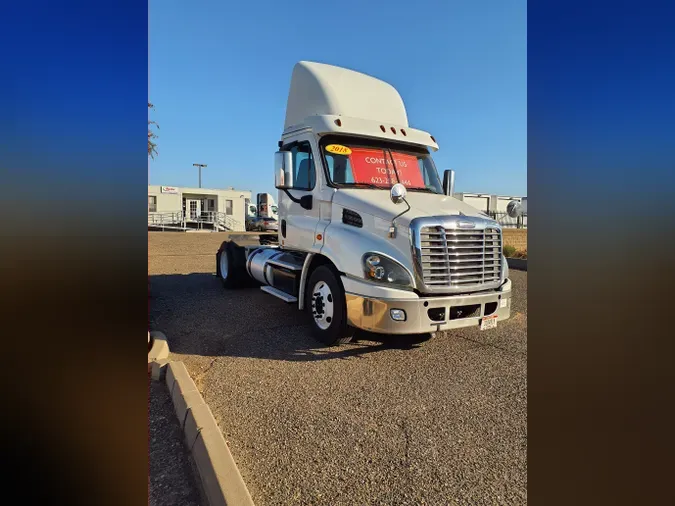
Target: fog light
[[398, 315]]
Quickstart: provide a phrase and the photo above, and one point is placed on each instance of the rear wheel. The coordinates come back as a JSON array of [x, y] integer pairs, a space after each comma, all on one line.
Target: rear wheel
[[327, 308], [229, 265]]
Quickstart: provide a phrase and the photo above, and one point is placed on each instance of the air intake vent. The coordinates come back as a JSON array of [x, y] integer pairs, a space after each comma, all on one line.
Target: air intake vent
[[352, 218]]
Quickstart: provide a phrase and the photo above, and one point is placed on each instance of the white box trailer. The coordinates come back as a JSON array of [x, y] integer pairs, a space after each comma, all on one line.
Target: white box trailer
[[477, 201], [267, 208], [369, 235]]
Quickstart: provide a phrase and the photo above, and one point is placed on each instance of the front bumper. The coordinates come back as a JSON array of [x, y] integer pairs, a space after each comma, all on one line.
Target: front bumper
[[427, 314]]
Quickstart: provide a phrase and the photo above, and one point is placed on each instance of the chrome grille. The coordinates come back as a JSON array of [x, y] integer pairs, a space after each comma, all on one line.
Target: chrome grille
[[458, 258]]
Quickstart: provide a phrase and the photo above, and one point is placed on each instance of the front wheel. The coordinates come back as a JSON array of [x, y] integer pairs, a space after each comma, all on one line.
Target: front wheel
[[327, 307]]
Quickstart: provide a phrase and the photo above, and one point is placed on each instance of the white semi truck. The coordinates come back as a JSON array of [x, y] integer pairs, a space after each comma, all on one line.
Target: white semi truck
[[369, 236]]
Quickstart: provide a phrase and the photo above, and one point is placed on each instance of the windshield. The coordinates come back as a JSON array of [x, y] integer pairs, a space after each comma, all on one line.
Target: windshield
[[356, 162]]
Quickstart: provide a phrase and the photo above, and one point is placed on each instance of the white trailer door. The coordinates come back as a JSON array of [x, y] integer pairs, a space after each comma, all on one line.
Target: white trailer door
[[482, 203], [194, 209]]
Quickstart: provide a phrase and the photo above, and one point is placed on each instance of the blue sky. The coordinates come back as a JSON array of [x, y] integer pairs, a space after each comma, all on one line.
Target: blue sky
[[219, 80]]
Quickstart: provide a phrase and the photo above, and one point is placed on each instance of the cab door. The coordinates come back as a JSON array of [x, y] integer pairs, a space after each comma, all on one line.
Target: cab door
[[297, 224]]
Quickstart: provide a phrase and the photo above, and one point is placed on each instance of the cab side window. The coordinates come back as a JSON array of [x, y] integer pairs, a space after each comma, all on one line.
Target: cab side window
[[304, 172]]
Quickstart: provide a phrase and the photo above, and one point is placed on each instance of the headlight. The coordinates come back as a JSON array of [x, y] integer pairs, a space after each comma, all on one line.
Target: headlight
[[505, 270], [382, 269]]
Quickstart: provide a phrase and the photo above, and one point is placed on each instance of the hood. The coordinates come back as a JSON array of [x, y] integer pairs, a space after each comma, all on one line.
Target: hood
[[377, 203]]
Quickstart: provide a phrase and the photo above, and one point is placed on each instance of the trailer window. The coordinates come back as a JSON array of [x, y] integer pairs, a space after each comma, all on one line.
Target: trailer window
[[152, 203]]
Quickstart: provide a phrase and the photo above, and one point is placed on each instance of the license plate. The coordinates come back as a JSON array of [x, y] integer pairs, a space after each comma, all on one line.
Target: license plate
[[488, 322]]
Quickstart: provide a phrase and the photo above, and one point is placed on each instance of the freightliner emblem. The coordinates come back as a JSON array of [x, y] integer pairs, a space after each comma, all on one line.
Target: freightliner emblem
[[466, 224]]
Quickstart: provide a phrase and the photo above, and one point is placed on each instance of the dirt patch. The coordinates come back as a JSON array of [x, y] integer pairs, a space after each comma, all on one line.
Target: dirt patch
[[516, 237]]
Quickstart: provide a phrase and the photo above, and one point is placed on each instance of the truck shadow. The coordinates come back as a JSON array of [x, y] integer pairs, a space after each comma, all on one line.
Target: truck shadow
[[200, 317]]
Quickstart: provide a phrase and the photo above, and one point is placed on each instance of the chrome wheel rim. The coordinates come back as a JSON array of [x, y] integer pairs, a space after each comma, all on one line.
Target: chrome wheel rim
[[224, 266], [322, 305]]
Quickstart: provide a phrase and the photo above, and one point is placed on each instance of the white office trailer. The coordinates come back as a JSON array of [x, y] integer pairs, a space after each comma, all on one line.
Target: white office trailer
[[495, 207], [173, 207]]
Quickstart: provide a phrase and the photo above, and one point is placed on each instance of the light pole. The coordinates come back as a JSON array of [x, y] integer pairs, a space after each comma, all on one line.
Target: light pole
[[200, 166]]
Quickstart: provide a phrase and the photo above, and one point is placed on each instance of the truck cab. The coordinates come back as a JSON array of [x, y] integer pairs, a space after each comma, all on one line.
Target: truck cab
[[369, 236]]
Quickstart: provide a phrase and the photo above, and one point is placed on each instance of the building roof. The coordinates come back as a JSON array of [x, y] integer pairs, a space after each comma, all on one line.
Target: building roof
[[476, 194], [190, 189]]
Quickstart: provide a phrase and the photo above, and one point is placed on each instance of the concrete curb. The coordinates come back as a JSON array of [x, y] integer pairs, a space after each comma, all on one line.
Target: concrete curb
[[160, 346], [221, 482], [517, 263]]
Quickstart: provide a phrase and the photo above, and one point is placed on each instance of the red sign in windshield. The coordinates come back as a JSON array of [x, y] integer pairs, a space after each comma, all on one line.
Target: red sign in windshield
[[374, 166]]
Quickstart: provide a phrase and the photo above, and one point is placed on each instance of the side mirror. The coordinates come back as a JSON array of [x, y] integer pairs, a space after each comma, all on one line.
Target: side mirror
[[283, 170], [449, 182], [397, 193], [514, 209]]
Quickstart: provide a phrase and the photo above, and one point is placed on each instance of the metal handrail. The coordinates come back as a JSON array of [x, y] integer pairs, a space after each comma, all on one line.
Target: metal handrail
[[217, 220], [221, 219], [164, 219]]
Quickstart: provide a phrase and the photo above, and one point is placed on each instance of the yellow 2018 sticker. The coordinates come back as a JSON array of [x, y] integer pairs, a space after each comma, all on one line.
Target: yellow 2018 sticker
[[338, 149]]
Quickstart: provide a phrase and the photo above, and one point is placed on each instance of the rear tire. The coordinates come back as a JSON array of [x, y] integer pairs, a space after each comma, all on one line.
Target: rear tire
[[230, 265], [327, 308]]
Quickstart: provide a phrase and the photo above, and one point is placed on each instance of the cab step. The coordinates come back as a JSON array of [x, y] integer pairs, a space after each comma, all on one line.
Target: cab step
[[279, 294]]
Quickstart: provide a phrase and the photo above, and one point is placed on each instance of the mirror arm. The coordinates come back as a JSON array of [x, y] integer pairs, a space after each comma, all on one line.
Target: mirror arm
[[402, 212], [305, 201], [392, 229], [285, 190]]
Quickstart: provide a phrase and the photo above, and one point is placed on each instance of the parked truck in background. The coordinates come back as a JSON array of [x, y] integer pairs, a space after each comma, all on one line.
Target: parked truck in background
[[369, 236], [267, 208], [264, 216]]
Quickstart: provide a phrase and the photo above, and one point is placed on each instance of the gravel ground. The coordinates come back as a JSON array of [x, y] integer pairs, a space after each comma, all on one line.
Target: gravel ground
[[172, 481], [384, 420]]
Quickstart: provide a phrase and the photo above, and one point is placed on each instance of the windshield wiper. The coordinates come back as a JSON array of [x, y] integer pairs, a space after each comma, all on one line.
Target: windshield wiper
[[364, 185], [428, 190]]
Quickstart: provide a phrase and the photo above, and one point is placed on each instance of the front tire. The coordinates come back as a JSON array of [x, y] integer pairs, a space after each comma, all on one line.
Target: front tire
[[327, 307]]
